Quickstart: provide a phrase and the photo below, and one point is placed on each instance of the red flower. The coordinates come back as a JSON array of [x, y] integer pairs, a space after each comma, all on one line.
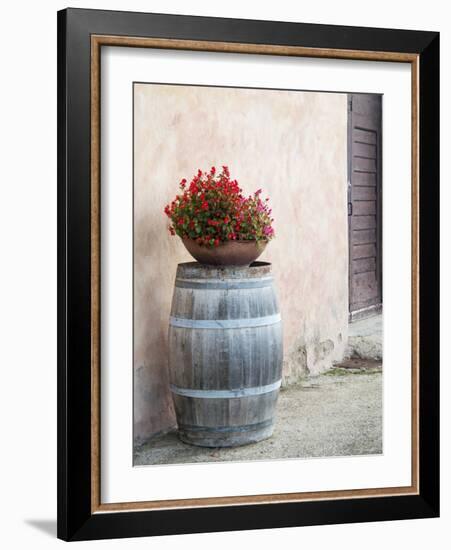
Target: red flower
[[213, 209]]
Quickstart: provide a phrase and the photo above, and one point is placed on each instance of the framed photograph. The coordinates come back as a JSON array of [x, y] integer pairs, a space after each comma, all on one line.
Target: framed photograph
[[248, 274]]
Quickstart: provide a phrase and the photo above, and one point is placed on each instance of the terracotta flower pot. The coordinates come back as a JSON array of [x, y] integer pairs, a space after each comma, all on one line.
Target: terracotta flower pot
[[231, 253]]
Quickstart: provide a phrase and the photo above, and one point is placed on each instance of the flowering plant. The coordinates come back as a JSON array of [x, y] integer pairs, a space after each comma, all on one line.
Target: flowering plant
[[212, 209]]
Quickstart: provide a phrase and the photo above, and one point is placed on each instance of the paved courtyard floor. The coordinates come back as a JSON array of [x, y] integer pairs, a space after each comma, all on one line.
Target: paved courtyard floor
[[338, 413]]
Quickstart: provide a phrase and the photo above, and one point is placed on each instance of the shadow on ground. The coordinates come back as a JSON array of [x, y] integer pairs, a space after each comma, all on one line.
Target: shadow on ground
[[47, 526], [335, 414]]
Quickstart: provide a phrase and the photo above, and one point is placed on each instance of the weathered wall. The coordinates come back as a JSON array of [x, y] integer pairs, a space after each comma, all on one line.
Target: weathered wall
[[291, 144]]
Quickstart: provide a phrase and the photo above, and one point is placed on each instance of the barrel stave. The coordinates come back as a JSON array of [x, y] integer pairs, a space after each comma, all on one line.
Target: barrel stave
[[225, 412], [213, 359], [224, 304]]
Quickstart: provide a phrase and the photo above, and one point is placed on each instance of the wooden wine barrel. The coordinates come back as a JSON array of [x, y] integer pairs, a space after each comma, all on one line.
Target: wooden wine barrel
[[225, 353]]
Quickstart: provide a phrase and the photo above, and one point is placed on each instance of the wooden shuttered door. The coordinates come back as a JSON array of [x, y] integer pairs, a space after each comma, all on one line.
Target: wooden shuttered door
[[365, 203]]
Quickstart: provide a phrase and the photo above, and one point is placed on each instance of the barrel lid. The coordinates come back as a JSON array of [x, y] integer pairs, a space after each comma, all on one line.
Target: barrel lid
[[195, 270]]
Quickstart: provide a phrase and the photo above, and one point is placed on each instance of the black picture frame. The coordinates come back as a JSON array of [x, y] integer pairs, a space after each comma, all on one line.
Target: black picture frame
[[76, 519]]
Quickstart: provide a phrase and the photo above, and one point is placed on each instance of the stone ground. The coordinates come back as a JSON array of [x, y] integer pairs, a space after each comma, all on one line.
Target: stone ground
[[338, 413], [365, 338]]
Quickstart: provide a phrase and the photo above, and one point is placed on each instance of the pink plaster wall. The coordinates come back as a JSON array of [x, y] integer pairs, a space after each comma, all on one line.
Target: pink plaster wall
[[291, 144]]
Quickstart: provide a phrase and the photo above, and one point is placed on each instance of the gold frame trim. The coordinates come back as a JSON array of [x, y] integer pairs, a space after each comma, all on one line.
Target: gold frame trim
[[97, 41]]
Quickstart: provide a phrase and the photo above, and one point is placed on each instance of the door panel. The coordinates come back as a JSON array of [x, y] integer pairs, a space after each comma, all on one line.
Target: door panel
[[365, 286], [363, 136], [364, 251], [362, 265], [363, 194], [363, 208], [364, 202], [363, 164], [363, 236], [363, 222], [365, 149], [364, 179]]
